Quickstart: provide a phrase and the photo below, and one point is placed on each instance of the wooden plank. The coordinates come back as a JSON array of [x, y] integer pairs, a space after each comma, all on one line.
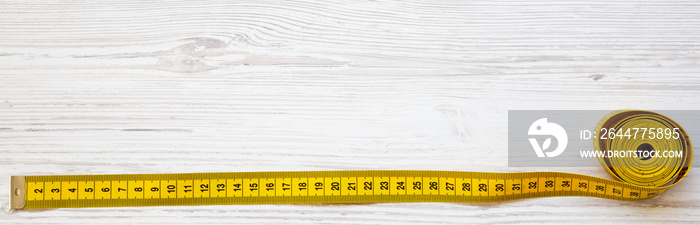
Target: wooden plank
[[182, 86]]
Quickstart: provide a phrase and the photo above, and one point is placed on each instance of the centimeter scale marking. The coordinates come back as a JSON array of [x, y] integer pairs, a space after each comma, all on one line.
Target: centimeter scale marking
[[319, 186]]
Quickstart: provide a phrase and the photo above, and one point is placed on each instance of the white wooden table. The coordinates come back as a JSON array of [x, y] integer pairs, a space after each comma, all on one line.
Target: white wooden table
[[92, 87]]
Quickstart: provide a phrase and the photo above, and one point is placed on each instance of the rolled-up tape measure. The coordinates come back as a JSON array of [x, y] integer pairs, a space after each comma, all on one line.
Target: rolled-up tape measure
[[640, 178]]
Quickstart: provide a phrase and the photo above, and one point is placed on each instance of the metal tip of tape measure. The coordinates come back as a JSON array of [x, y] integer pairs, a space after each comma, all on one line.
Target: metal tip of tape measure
[[17, 192]]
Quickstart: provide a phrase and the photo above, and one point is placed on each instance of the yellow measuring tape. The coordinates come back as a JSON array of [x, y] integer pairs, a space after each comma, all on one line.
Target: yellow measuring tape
[[640, 178]]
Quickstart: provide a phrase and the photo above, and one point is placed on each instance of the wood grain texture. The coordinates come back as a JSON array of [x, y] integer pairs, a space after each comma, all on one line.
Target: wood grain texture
[[93, 87]]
